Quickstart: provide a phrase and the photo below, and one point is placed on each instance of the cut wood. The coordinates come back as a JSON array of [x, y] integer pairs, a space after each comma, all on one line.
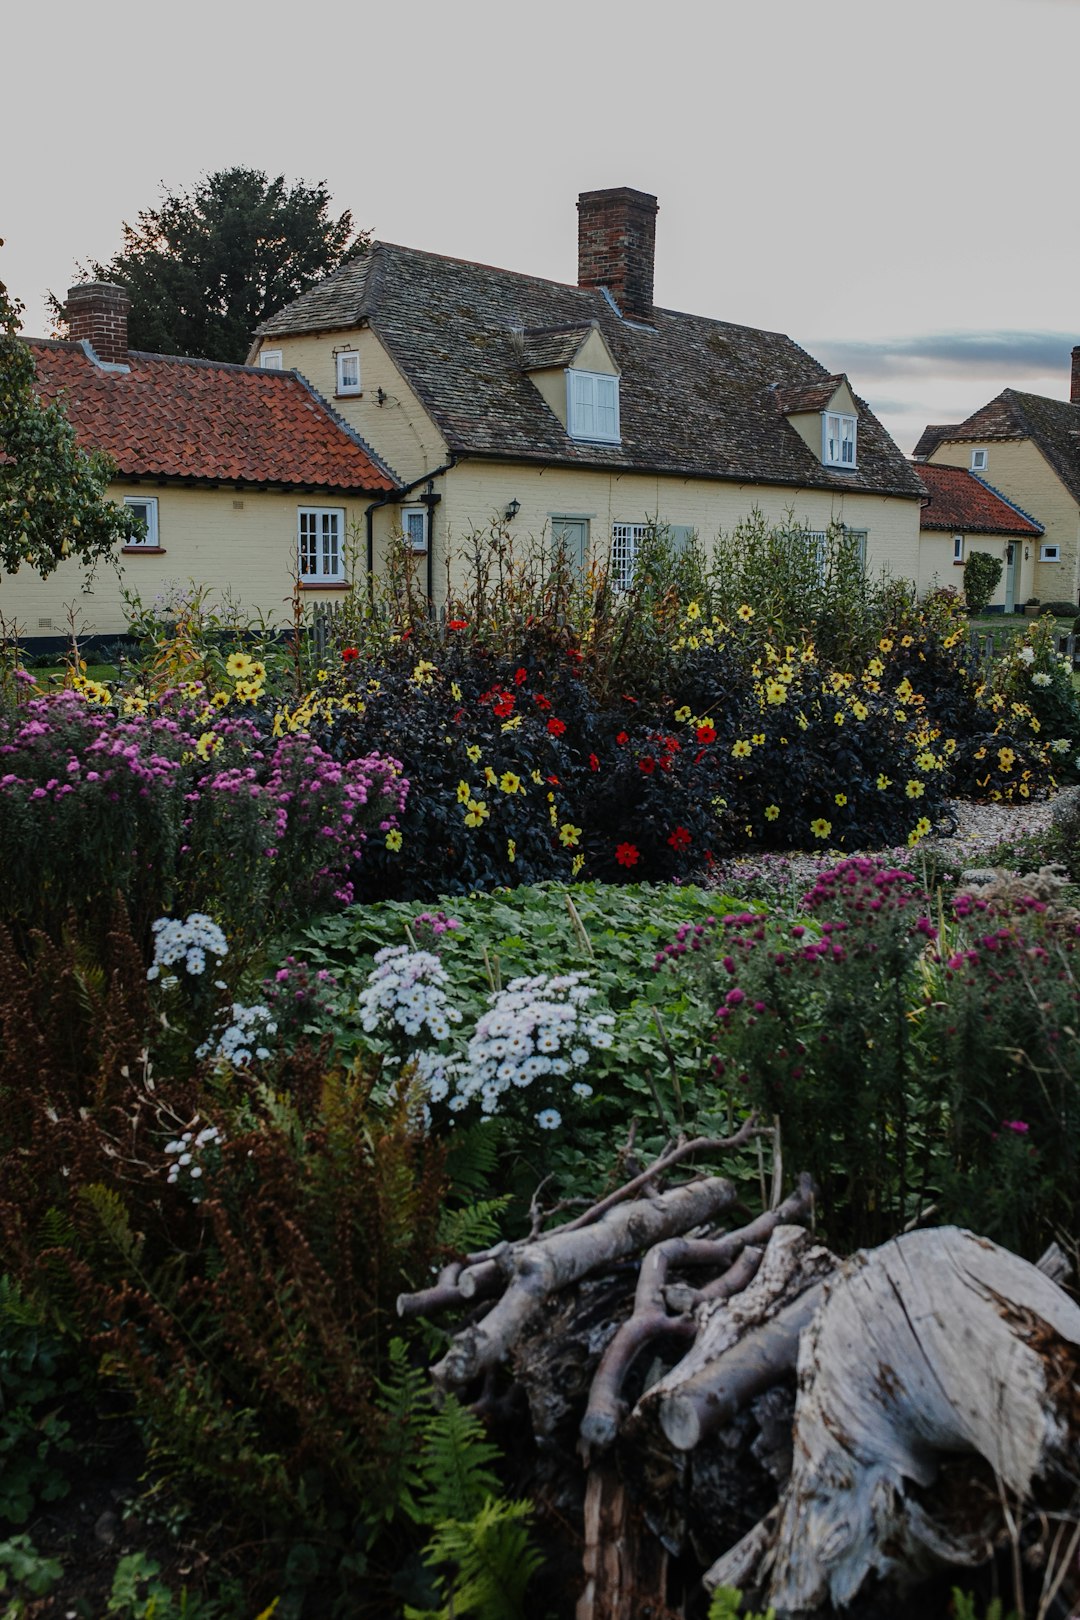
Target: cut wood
[[937, 1346], [539, 1268]]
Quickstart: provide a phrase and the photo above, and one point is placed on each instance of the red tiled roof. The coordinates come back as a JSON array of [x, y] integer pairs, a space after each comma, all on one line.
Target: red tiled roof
[[964, 504], [170, 417]]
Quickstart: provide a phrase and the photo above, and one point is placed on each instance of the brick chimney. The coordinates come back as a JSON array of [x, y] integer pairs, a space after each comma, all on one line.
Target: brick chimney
[[1074, 391], [98, 310], [616, 245]]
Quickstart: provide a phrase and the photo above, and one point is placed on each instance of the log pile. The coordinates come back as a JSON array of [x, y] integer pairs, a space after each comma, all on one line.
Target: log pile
[[742, 1403]]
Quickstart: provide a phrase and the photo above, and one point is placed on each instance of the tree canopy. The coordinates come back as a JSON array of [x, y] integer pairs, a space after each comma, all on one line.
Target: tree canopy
[[205, 266], [53, 500]]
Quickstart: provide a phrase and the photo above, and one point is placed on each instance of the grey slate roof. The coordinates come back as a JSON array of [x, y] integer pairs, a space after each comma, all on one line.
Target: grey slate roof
[[1053, 425], [698, 397], [553, 346]]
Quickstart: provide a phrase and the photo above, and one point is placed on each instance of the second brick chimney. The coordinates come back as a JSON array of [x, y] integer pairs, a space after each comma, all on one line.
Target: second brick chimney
[[1074, 391], [98, 311], [616, 247]]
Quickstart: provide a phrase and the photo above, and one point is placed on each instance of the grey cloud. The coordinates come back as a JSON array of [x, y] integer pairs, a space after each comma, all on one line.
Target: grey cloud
[[995, 354]]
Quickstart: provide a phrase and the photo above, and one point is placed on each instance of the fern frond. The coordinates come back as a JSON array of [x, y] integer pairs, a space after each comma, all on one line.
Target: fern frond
[[455, 1464], [404, 1398], [472, 1157], [108, 1206], [492, 1563], [473, 1227]]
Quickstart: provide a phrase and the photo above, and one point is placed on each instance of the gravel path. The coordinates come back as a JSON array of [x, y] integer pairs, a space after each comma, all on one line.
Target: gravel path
[[980, 829]]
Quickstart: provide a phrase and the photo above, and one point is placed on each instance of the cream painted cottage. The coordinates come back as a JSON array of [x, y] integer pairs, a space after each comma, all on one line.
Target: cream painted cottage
[[584, 411], [240, 477]]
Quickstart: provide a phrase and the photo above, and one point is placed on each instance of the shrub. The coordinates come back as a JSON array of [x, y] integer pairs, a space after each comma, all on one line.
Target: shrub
[[1037, 682], [981, 575], [176, 806]]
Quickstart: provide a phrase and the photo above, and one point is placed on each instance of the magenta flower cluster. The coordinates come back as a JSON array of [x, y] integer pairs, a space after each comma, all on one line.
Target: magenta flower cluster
[[178, 800]]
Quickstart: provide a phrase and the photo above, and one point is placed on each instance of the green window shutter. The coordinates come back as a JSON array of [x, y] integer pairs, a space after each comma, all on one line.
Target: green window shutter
[[682, 536]]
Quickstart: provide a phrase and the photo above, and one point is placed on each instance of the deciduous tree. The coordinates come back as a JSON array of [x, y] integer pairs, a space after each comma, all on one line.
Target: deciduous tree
[[53, 500]]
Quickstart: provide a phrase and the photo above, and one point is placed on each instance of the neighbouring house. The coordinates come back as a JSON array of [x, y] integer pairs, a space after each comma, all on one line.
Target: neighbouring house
[[964, 514], [242, 478], [1028, 448], [584, 412]]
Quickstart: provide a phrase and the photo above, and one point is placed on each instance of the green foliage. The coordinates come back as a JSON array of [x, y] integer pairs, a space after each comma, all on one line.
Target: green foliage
[[53, 500], [981, 575], [726, 1604], [205, 266], [137, 1593], [487, 1564], [25, 1572], [36, 1383], [964, 1608]]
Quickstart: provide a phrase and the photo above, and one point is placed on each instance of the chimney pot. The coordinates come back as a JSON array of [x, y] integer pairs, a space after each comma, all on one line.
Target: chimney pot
[[1074, 391], [98, 311], [616, 246]]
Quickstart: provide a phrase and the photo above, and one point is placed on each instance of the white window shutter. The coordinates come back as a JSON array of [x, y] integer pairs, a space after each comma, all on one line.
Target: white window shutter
[[607, 408]]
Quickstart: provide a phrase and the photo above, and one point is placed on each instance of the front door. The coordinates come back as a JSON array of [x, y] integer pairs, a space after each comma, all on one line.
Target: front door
[[573, 535], [1012, 571]]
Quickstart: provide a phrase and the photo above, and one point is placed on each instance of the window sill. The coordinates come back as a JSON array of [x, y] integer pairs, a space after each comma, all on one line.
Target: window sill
[[142, 551], [324, 585], [350, 393]]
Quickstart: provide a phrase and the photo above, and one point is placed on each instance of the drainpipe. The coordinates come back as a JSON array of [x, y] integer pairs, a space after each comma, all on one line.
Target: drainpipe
[[394, 497]]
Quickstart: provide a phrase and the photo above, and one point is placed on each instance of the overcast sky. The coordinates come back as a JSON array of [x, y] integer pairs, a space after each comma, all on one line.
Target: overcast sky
[[892, 185]]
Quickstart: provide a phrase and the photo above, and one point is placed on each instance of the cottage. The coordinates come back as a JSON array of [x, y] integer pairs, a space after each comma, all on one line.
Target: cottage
[[584, 411]]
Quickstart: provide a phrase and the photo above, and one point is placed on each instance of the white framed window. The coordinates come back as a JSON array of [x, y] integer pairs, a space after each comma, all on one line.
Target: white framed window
[[144, 507], [270, 360], [1049, 553], [978, 460], [626, 540], [320, 545], [850, 542], [957, 548], [592, 404], [414, 526], [839, 437], [348, 372]]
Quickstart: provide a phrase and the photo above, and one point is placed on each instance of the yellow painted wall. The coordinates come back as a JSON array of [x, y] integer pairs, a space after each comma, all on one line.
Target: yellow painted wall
[[1021, 472], [594, 355], [936, 566], [550, 381], [399, 430], [477, 492], [238, 541]]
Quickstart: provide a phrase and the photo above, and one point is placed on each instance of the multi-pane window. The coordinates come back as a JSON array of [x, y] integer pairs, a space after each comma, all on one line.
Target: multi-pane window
[[414, 526], [626, 538], [321, 534], [839, 435], [143, 507], [851, 543], [593, 406], [348, 372]]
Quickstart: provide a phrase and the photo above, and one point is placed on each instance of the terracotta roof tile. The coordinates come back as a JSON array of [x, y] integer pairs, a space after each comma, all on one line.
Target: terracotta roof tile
[[169, 417], [697, 396], [962, 503]]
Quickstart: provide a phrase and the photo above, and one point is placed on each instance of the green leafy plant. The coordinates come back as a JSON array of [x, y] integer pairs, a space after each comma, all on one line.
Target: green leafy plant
[[981, 575], [726, 1604], [25, 1572]]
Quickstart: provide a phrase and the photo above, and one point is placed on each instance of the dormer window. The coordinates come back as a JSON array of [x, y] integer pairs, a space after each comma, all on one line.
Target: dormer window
[[592, 400], [838, 439], [348, 372]]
